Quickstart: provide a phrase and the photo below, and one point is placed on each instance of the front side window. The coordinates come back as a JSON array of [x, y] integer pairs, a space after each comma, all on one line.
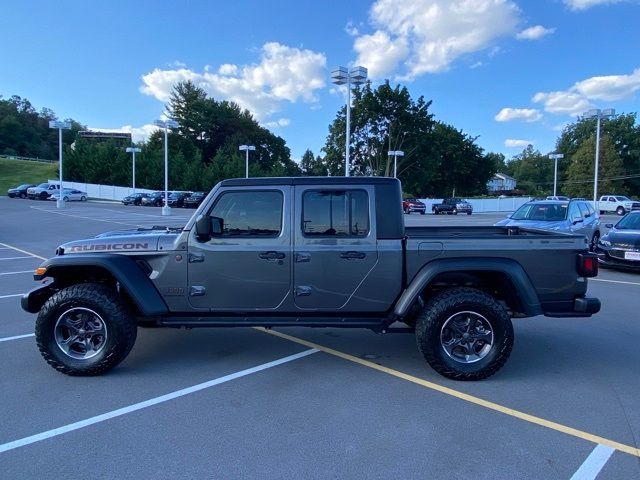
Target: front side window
[[342, 213], [584, 210], [249, 214]]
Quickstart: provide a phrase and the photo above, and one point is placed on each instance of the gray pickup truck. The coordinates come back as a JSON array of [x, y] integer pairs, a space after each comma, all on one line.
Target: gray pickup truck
[[315, 252]]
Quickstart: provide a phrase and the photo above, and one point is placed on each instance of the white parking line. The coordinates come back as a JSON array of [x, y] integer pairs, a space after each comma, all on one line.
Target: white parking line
[[613, 281], [84, 218], [15, 273], [11, 296], [148, 403], [13, 258], [17, 337], [593, 464], [22, 251]]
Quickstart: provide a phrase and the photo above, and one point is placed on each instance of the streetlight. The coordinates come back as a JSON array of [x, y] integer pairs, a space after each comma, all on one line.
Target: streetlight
[[340, 76], [166, 124], [598, 114], [246, 148], [60, 126], [134, 150], [555, 157], [396, 154]]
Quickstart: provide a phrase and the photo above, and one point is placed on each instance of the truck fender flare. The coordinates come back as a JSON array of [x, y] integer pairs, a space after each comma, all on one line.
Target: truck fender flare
[[512, 269], [123, 268]]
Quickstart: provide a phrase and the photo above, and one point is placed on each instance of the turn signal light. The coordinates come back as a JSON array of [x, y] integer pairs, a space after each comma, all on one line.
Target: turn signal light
[[40, 271], [588, 264]]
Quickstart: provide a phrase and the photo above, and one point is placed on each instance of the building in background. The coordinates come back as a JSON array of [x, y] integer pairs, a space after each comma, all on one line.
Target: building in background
[[501, 182]]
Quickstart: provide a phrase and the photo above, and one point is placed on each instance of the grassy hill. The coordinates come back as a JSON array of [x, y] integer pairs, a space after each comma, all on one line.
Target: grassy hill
[[16, 172]]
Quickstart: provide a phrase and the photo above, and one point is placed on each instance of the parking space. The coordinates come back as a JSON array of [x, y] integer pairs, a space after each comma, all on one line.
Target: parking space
[[245, 403]]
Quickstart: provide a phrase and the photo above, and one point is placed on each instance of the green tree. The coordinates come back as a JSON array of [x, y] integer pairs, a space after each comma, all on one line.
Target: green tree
[[533, 171], [581, 169]]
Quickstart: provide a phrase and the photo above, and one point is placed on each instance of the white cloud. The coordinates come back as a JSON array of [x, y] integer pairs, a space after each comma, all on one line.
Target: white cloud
[[526, 114], [138, 134], [584, 4], [283, 74], [610, 87], [351, 29], [514, 143], [428, 35], [476, 65], [578, 98], [281, 122], [534, 33]]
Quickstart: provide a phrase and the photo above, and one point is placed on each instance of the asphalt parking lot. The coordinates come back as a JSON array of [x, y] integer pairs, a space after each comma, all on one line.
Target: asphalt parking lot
[[303, 403]]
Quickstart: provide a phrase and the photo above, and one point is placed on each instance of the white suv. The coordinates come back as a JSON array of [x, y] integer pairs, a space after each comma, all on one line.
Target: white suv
[[617, 203]]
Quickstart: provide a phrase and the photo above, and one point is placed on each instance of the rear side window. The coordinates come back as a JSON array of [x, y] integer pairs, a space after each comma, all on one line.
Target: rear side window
[[339, 213], [250, 214]]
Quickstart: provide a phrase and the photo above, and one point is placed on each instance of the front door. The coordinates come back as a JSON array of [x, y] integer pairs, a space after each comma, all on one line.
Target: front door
[[335, 246], [248, 267]]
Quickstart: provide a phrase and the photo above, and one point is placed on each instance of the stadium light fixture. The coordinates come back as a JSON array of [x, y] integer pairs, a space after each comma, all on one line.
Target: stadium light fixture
[[355, 76], [598, 114], [395, 154], [555, 157], [133, 151], [55, 124], [246, 149], [166, 125]]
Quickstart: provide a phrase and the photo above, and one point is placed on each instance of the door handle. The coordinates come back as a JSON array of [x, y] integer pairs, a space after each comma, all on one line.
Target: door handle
[[271, 255], [353, 255]]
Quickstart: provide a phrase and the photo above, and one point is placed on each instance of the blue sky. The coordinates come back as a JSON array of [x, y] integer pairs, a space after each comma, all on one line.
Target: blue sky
[[509, 72]]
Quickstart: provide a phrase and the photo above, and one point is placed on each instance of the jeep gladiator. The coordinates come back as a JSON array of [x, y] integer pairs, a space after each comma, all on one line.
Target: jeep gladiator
[[316, 252]]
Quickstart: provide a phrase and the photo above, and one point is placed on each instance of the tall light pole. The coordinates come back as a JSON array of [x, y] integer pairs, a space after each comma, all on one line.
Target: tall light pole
[[555, 157], [247, 149], [396, 154], [355, 76], [166, 124], [598, 114], [133, 151], [60, 126]]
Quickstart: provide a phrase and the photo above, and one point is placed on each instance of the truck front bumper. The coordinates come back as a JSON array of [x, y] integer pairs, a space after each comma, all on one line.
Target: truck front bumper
[[33, 300]]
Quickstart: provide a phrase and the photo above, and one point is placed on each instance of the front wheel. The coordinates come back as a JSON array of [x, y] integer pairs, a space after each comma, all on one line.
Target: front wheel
[[454, 211], [83, 198], [23, 195], [468, 213], [85, 329], [43, 196], [620, 211], [464, 334]]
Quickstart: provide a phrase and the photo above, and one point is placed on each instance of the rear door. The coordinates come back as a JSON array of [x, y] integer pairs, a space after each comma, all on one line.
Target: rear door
[[248, 267], [334, 246]]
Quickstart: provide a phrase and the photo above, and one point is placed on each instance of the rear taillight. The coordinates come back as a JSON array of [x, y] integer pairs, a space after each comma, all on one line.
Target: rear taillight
[[588, 264]]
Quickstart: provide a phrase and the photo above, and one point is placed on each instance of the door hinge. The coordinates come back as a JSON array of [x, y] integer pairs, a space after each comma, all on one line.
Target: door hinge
[[196, 257], [197, 291], [302, 291]]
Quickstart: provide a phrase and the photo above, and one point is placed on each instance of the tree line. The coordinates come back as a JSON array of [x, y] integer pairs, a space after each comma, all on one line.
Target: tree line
[[438, 160]]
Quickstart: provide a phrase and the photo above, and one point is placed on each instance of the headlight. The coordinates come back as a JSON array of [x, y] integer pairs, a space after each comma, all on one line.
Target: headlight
[[604, 243]]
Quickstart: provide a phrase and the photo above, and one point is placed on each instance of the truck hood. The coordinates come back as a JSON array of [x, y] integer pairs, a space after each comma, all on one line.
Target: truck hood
[[141, 240], [538, 224]]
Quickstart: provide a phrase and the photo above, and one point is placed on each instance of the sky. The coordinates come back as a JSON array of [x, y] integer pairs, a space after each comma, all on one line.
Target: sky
[[509, 72]]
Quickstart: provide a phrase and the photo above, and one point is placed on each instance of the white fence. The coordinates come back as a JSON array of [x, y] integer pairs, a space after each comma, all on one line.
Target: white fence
[[104, 192], [486, 205]]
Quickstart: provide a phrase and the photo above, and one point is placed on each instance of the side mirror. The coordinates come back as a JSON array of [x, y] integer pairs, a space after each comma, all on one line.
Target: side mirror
[[608, 225], [217, 226], [203, 227]]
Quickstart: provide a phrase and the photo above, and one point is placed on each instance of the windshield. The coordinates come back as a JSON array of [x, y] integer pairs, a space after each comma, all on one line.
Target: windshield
[[175, 195], [541, 212], [623, 199], [26, 185], [630, 222], [43, 185]]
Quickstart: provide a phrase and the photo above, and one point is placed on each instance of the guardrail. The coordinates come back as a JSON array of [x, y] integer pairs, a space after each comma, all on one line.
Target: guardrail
[[27, 159]]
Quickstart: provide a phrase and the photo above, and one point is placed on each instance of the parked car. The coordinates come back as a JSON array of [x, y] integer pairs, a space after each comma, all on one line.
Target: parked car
[[617, 203], [134, 199], [19, 191], [194, 200], [70, 195], [620, 246], [155, 199], [452, 206], [559, 197], [315, 252], [558, 216], [410, 205], [43, 191], [176, 199]]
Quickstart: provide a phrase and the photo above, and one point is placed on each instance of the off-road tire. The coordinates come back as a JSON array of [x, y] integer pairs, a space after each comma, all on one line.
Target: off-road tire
[[120, 326], [43, 196], [445, 304]]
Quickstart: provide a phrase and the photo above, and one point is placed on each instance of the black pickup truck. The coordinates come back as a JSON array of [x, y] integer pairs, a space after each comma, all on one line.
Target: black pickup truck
[[452, 206], [316, 252]]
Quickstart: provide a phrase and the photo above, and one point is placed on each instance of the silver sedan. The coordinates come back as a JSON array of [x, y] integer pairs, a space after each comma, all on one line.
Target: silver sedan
[[70, 195]]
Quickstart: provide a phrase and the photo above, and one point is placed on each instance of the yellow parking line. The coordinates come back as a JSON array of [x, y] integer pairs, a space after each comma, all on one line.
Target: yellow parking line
[[22, 251], [465, 396]]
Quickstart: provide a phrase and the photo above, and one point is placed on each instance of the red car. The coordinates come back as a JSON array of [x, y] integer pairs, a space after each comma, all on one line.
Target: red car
[[410, 205]]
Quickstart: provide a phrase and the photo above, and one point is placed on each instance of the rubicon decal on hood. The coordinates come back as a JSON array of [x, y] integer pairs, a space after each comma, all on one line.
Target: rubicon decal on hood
[[103, 247]]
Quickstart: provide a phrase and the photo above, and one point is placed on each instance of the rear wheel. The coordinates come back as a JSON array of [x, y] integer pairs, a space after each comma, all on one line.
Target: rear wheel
[[464, 334], [23, 195], [468, 213], [65, 199], [454, 211], [620, 211], [83, 198], [43, 196], [85, 329], [422, 212], [601, 212]]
